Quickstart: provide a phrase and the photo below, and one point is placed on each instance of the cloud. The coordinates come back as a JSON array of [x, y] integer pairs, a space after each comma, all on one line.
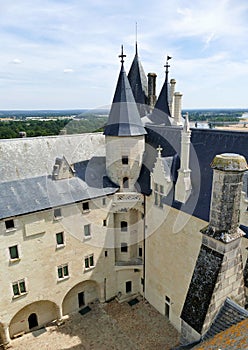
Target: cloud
[[68, 70], [16, 61], [83, 38]]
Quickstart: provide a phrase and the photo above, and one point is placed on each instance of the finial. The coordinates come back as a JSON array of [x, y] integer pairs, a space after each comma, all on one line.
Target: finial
[[136, 38], [186, 123], [122, 55], [159, 149], [167, 67]]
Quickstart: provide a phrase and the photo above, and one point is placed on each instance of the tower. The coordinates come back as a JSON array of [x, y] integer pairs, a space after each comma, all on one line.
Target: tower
[[124, 136], [218, 272]]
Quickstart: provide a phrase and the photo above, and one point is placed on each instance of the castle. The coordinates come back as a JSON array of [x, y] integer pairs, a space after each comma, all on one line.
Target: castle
[[134, 210]]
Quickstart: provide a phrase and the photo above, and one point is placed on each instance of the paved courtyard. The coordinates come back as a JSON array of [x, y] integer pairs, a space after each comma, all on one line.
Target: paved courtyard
[[107, 326]]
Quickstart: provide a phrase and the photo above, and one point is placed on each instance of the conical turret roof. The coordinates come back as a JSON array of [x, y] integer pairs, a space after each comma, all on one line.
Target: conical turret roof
[[124, 118], [138, 83], [161, 112]]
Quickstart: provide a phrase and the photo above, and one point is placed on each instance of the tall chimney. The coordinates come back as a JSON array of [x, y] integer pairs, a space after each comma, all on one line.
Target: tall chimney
[[218, 272], [178, 108], [172, 92], [226, 193], [152, 98]]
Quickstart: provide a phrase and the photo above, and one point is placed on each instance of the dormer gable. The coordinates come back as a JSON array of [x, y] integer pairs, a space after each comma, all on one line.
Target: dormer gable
[[62, 169], [161, 173]]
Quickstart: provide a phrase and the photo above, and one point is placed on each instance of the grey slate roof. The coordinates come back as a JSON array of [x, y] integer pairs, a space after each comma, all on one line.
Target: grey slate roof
[[138, 83], [35, 156], [124, 118], [229, 314], [40, 193]]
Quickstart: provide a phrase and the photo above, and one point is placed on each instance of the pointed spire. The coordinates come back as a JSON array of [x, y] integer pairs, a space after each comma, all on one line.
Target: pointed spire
[[124, 118], [162, 103], [136, 39], [138, 82]]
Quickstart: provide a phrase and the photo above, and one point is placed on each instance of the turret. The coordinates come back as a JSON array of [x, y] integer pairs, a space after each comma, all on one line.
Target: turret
[[124, 136]]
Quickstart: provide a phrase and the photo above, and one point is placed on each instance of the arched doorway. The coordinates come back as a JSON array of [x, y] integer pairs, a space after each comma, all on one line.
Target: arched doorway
[[32, 321], [80, 295], [36, 314]]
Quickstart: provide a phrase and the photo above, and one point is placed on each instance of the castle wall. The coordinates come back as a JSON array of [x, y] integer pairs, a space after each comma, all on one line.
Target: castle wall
[[40, 256], [172, 246]]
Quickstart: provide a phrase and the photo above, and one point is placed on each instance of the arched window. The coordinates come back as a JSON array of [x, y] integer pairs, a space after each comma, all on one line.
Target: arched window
[[125, 182], [123, 226]]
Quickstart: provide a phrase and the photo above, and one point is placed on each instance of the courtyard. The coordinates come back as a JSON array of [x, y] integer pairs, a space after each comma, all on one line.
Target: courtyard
[[104, 327]]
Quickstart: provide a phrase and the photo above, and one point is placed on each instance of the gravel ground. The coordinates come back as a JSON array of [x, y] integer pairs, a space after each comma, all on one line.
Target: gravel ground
[[107, 326]]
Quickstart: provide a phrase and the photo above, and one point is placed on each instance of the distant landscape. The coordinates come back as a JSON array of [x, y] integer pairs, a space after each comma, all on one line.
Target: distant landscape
[[32, 123]]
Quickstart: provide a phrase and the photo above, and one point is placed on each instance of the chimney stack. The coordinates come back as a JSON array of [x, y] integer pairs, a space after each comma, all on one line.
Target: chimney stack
[[152, 98]]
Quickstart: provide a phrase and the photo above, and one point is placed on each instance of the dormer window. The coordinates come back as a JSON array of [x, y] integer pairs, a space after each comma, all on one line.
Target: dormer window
[[86, 206], [125, 160], [57, 213], [9, 224]]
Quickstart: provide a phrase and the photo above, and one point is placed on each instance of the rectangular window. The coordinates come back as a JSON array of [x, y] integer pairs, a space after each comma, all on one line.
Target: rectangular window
[[158, 195], [106, 253], [124, 159], [104, 201], [57, 213], [104, 223], [63, 271], [13, 252], [86, 206], [87, 231], [9, 224], [19, 288], [124, 248], [89, 262], [124, 226], [128, 286], [140, 252], [60, 238]]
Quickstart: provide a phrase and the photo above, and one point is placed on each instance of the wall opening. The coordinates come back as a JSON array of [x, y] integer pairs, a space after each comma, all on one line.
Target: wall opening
[[32, 321], [81, 300]]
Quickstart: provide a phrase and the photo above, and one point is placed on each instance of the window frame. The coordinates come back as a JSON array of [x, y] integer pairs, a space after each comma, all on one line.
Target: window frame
[[10, 228], [89, 262], [124, 226], [60, 245], [158, 195], [87, 227], [125, 160], [15, 258], [64, 268], [87, 204], [124, 247], [59, 211], [19, 284]]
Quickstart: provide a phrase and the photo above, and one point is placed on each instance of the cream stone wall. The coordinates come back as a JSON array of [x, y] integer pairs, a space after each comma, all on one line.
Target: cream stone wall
[[172, 246], [35, 235], [116, 147]]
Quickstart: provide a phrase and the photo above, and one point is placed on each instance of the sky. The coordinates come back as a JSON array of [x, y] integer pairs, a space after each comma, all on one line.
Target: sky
[[63, 54]]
